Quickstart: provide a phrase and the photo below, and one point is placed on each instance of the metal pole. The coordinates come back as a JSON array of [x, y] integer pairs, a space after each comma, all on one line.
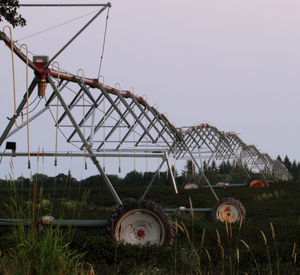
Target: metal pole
[[86, 144], [27, 121], [171, 172], [202, 173], [18, 111], [153, 179], [72, 154], [63, 5]]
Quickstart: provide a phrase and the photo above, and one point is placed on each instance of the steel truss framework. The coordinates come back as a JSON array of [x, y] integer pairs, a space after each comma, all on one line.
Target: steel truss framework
[[208, 143], [101, 120]]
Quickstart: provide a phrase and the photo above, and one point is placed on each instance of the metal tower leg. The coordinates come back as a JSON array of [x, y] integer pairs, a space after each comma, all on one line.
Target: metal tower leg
[[18, 111], [202, 173], [153, 179], [171, 172]]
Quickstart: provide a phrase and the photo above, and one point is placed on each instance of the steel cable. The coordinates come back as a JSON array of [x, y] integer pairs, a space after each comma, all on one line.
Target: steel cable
[[54, 27], [103, 44]]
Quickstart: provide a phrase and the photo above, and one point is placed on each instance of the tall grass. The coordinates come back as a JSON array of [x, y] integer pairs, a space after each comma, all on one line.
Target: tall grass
[[43, 253], [36, 249], [232, 255]]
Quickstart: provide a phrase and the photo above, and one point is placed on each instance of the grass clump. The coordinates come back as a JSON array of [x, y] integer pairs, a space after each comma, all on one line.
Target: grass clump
[[36, 249], [44, 252]]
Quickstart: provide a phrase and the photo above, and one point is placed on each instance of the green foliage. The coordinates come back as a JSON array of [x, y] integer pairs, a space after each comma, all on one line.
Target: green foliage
[[269, 195], [97, 180], [34, 249], [45, 252], [189, 168], [278, 204], [8, 12], [133, 178], [293, 167]]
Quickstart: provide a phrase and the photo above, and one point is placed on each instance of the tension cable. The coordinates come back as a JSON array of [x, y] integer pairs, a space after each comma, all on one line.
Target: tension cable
[[103, 44], [54, 27]]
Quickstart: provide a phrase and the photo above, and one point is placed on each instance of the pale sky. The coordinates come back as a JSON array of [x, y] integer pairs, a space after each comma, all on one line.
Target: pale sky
[[232, 63]]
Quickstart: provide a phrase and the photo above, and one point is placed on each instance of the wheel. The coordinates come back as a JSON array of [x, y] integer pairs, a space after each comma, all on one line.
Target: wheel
[[228, 210], [258, 183], [141, 222]]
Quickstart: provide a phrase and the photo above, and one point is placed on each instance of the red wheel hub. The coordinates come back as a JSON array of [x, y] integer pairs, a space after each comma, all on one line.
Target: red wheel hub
[[140, 233]]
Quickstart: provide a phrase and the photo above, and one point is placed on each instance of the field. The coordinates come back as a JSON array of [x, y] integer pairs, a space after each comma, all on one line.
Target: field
[[267, 242]]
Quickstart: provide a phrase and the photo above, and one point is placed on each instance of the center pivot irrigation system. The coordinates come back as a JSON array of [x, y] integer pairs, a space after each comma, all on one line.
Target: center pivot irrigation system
[[102, 121]]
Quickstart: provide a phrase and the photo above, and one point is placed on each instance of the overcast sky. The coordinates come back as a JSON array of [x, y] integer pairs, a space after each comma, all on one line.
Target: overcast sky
[[234, 64]]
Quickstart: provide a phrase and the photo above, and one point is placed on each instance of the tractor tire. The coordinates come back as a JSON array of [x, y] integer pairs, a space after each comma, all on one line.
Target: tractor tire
[[228, 210], [141, 222]]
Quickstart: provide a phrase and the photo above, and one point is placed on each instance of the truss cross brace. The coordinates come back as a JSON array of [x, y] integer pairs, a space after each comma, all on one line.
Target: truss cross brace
[[85, 142]]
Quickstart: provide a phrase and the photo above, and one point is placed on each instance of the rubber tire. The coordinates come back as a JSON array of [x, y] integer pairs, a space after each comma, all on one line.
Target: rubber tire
[[231, 201], [131, 204]]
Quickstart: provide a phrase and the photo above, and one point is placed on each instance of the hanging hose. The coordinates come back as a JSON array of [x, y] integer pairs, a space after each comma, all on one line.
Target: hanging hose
[[104, 134], [134, 164], [80, 71], [118, 86], [57, 112], [27, 105], [147, 127], [14, 75]]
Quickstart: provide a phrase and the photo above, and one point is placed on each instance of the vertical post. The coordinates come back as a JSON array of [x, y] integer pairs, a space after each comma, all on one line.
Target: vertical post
[[171, 173]]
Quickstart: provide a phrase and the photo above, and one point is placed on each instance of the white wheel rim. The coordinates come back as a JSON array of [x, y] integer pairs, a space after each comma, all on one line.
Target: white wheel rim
[[140, 226], [227, 212]]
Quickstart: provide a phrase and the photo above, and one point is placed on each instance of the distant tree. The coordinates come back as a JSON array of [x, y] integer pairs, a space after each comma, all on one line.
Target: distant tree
[[133, 178], [63, 179], [39, 178], [287, 163], [213, 166], [189, 168], [295, 170], [114, 179], [225, 167], [161, 179], [279, 158], [8, 12], [98, 180], [23, 181], [238, 174], [92, 181]]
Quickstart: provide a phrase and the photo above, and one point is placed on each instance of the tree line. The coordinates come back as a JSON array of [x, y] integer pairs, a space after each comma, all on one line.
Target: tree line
[[226, 172]]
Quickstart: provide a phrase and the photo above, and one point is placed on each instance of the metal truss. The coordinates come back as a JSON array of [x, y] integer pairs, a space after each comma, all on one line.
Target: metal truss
[[101, 120], [208, 143], [96, 118], [256, 161], [205, 142]]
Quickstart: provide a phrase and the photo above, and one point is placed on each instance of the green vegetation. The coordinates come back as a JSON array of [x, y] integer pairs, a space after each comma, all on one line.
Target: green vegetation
[[201, 246], [8, 12], [267, 242]]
